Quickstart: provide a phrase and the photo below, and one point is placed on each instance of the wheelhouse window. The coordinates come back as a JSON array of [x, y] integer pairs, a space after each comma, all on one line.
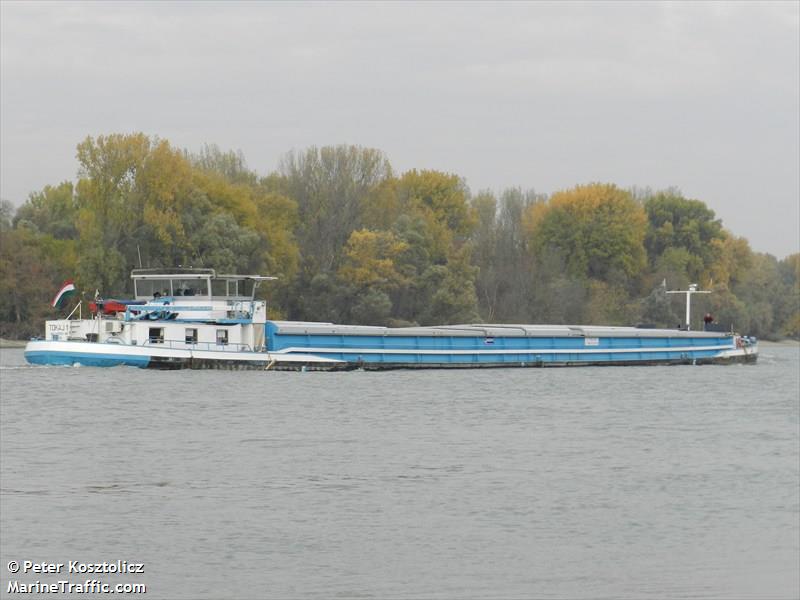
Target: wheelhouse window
[[232, 288], [156, 335], [148, 288], [160, 287], [222, 337], [191, 336], [189, 287], [153, 288]]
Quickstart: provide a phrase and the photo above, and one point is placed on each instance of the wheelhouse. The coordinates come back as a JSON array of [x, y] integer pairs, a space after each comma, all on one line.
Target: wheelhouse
[[197, 284]]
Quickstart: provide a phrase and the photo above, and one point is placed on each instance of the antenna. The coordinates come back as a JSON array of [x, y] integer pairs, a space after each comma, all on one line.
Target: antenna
[[692, 290]]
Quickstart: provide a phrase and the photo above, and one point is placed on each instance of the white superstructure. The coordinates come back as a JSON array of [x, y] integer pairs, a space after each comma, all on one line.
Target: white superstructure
[[177, 318]]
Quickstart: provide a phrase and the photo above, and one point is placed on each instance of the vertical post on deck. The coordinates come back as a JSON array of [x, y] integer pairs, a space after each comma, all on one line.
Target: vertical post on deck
[[692, 290]]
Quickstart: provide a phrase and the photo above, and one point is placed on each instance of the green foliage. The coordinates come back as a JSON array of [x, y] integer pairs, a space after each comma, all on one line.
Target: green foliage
[[222, 244], [556, 296], [732, 259], [32, 267], [52, 211], [502, 253], [6, 216], [372, 307], [322, 295], [440, 200], [675, 265], [449, 293], [276, 222], [369, 260], [230, 165], [659, 310], [129, 199], [610, 304], [330, 185], [728, 310], [769, 294], [788, 315], [792, 326], [485, 253], [678, 224], [139, 197], [598, 229], [352, 242]]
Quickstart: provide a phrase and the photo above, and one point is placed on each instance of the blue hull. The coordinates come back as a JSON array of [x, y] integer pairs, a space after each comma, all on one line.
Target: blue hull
[[324, 346], [85, 359], [388, 360], [496, 345]]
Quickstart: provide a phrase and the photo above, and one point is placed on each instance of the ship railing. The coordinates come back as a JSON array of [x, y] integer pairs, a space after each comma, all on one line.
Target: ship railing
[[210, 346]]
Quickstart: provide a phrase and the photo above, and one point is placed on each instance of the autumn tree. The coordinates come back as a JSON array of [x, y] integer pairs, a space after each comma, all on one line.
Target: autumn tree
[[484, 255], [128, 196], [32, 265], [441, 200], [449, 292], [501, 251], [351, 242], [598, 229], [229, 164], [370, 273], [789, 316], [369, 260], [330, 185], [52, 211], [6, 215]]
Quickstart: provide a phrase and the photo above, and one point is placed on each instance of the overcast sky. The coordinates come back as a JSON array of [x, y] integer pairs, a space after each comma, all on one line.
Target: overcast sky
[[700, 96]]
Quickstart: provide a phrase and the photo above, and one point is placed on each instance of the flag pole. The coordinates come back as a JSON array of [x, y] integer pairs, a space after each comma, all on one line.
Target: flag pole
[[78, 308]]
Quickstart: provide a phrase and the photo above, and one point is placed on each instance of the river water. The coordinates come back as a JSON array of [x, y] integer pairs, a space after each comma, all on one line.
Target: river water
[[627, 482]]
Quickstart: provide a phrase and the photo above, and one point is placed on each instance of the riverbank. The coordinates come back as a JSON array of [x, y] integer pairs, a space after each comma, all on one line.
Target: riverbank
[[4, 343]]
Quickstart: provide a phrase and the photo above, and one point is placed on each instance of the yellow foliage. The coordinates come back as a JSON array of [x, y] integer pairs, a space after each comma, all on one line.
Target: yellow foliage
[[369, 259], [440, 200], [792, 327], [162, 187], [597, 228], [732, 258], [381, 207], [277, 218], [793, 260], [608, 305], [533, 217], [236, 199]]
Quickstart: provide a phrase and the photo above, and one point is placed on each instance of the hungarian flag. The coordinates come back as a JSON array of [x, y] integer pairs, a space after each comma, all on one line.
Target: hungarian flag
[[67, 290]]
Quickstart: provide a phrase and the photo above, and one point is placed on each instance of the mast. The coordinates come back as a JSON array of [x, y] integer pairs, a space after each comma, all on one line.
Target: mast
[[692, 290]]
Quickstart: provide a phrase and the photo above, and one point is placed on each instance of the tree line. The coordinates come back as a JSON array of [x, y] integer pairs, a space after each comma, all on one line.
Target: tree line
[[352, 241]]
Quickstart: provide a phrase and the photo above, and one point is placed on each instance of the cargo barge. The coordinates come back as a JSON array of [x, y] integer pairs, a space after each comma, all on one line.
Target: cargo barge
[[196, 319]]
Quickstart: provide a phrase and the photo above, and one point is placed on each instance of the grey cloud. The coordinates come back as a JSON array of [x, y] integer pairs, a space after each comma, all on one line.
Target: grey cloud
[[702, 96]]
